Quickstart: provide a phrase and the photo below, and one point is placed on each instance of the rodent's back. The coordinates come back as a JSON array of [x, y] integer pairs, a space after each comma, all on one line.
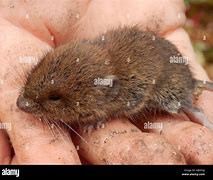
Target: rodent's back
[[63, 85], [147, 76]]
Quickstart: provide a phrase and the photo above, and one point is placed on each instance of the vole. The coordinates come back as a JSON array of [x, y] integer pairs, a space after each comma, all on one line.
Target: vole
[[121, 73]]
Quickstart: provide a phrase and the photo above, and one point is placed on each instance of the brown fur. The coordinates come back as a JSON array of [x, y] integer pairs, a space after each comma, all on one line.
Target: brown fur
[[134, 61]]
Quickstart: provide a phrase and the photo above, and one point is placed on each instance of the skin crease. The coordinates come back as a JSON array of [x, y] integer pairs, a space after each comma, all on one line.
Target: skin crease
[[33, 143]]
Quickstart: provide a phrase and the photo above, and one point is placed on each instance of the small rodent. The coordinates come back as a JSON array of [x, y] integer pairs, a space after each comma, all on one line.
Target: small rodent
[[121, 73]]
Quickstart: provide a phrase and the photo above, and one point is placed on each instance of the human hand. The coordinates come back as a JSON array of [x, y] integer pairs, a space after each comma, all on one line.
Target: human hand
[[27, 30]]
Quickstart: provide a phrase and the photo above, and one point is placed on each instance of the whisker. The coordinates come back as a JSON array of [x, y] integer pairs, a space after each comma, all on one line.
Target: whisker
[[18, 80], [49, 126], [74, 131], [60, 132], [63, 134]]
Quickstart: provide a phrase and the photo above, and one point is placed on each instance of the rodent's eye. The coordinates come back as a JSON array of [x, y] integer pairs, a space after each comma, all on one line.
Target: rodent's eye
[[54, 97]]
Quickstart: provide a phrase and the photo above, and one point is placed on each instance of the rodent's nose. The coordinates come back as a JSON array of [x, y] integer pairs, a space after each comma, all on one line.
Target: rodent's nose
[[25, 104]]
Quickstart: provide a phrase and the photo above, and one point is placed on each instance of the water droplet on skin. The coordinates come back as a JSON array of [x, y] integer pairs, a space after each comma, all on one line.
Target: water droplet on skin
[[77, 103], [77, 148], [153, 38], [204, 38], [102, 38]]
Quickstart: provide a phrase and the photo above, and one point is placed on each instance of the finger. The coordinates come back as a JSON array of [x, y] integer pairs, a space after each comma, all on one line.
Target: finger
[[5, 147], [31, 143], [34, 144], [181, 39], [192, 140], [180, 133], [120, 142], [148, 14], [35, 16], [19, 16], [85, 18], [14, 161]]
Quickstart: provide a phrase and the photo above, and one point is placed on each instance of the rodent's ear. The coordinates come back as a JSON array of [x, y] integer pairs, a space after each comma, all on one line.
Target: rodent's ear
[[109, 87]]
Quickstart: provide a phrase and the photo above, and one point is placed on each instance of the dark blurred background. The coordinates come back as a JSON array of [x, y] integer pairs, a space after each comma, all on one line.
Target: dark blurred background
[[199, 25]]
